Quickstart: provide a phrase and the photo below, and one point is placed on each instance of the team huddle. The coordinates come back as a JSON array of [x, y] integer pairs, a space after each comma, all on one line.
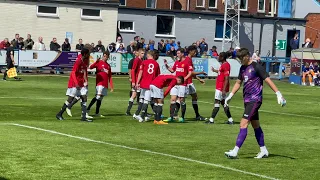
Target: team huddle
[[147, 85]]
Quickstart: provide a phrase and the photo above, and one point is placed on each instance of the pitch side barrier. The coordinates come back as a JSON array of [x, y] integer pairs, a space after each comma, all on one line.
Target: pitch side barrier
[[64, 61], [277, 67]]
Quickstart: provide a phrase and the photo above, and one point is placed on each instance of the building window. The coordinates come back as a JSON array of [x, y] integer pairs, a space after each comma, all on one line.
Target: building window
[[219, 29], [126, 26], [212, 3], [244, 5], [151, 4], [49, 11], [200, 3], [123, 3], [165, 25], [261, 5], [275, 7], [91, 14]]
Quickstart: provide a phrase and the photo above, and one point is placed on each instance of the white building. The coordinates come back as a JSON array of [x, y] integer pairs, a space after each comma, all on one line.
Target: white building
[[90, 20]]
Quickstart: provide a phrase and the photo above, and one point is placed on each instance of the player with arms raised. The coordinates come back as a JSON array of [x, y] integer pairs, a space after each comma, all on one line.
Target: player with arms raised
[[253, 75], [149, 70], [156, 89], [77, 84], [103, 78], [222, 88]]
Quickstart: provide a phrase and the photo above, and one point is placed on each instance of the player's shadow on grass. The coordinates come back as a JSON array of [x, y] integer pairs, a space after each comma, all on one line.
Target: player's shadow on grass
[[115, 114], [270, 156], [2, 178]]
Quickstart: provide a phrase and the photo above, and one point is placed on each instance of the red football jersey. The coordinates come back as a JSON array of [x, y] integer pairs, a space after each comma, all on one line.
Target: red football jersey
[[150, 70], [103, 73], [189, 60], [163, 81], [182, 68], [224, 71], [79, 73], [135, 69]]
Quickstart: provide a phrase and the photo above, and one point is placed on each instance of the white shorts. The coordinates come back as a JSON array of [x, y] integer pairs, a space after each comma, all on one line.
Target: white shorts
[[145, 94], [191, 89], [178, 90], [218, 95], [72, 92], [156, 92], [101, 90]]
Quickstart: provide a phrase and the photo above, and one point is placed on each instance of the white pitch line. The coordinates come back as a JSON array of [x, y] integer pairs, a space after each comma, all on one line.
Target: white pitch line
[[147, 151], [278, 113]]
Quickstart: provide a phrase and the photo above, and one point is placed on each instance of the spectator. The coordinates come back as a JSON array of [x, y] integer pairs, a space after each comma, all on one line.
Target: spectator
[[255, 56], [307, 44], [229, 54], [179, 44], [66, 45], [119, 42], [80, 46], [40, 46], [162, 46], [294, 42], [203, 46], [213, 52], [204, 55], [54, 46], [4, 44], [28, 43], [99, 47], [142, 43], [234, 52], [147, 47], [172, 52], [151, 45], [20, 44], [121, 49], [198, 47], [15, 40], [171, 44], [112, 48], [93, 46], [131, 48]]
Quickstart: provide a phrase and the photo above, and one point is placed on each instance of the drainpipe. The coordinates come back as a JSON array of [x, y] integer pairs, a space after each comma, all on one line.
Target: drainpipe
[[261, 35], [188, 5]]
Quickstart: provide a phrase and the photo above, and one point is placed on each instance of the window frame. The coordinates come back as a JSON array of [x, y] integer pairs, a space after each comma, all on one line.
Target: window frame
[[124, 30], [40, 14], [155, 4], [246, 8], [275, 7], [203, 4], [220, 39], [173, 31], [91, 17], [216, 4], [264, 7], [125, 3]]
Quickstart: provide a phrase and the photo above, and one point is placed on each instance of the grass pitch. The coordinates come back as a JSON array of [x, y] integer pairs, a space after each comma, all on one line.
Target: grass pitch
[[191, 150]]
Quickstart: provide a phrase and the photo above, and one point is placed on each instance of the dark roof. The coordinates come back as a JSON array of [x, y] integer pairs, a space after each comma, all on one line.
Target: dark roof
[[211, 13], [106, 3]]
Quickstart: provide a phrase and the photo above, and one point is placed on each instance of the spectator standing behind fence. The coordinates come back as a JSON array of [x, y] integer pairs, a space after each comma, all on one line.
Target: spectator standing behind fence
[[4, 44], [80, 46], [131, 47], [14, 42], [54, 46], [20, 44], [172, 52], [112, 48], [99, 47], [28, 43], [162, 46], [66, 45], [119, 42], [213, 52], [203, 46], [171, 44], [307, 44], [255, 57], [121, 49], [40, 46]]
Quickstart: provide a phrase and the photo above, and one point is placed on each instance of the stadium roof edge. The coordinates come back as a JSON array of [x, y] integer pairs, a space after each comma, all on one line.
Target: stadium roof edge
[[212, 13], [98, 3]]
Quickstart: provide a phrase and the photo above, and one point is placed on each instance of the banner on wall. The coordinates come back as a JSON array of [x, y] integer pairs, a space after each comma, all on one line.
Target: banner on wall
[[47, 59], [114, 61], [200, 65], [3, 57], [125, 59]]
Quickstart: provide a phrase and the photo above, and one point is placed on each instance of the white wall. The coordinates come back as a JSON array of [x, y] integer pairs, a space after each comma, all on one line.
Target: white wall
[[303, 7], [21, 17]]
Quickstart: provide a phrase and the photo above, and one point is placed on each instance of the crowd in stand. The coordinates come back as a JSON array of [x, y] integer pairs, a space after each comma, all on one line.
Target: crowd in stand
[[166, 47]]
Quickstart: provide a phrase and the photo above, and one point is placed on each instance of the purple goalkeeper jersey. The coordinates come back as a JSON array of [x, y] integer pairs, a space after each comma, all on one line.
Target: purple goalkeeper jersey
[[252, 76]]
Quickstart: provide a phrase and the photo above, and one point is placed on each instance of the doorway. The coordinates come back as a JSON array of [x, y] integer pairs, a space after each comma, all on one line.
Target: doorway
[[290, 35]]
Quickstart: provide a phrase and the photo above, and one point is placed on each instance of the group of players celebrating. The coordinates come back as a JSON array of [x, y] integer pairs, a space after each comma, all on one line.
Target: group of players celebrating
[[147, 84]]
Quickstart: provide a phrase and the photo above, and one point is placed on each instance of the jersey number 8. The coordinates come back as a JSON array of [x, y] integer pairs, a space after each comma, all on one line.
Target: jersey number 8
[[150, 68]]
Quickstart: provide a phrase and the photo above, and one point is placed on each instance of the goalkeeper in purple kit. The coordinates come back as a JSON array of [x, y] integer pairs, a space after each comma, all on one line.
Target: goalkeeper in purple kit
[[253, 75]]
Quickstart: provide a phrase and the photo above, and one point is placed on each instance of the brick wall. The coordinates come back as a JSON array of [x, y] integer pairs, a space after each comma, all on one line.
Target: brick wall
[[313, 29], [161, 4]]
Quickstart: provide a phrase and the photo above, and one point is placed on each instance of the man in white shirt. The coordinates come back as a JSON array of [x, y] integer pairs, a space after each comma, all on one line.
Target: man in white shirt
[[307, 44], [40, 46], [255, 57]]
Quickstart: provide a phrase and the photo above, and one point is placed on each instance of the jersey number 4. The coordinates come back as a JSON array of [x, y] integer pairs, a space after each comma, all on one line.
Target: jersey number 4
[[150, 68]]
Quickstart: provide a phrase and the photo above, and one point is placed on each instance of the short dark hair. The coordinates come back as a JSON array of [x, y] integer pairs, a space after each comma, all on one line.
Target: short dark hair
[[85, 51], [242, 53], [229, 53], [224, 55], [181, 78], [214, 47], [181, 50], [192, 48], [106, 53]]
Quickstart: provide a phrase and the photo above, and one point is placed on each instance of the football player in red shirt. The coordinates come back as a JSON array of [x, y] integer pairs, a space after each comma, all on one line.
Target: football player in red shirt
[[192, 52], [134, 75], [181, 68], [149, 70], [77, 84], [156, 89], [222, 88], [103, 78]]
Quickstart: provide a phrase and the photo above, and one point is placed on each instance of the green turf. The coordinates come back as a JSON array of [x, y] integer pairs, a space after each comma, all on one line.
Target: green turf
[[292, 140]]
